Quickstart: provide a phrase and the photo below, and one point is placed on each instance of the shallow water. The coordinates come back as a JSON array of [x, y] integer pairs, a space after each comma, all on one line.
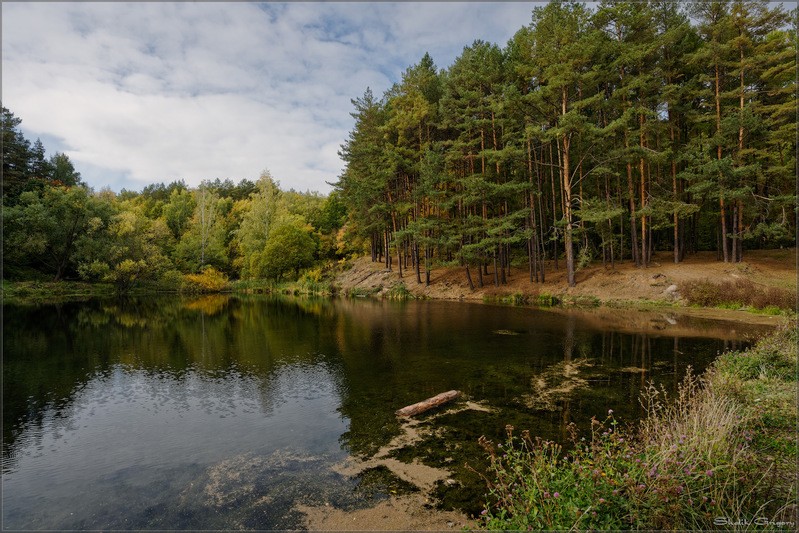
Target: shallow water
[[226, 412]]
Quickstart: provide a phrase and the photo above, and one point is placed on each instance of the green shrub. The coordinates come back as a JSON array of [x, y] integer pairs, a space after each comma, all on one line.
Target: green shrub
[[399, 292], [171, 280], [546, 300]]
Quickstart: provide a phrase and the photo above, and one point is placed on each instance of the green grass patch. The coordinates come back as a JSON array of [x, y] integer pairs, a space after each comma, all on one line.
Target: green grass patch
[[363, 292], [546, 300], [517, 298], [583, 301]]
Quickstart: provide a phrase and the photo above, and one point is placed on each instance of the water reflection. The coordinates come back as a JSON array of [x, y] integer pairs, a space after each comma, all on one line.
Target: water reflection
[[127, 413]]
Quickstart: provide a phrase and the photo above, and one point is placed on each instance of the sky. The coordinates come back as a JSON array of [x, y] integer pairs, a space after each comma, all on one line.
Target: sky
[[147, 92]]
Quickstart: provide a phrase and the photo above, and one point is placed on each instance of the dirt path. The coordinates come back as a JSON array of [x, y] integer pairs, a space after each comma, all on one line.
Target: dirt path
[[623, 285]]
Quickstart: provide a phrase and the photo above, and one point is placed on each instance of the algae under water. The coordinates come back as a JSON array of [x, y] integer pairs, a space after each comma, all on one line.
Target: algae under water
[[228, 412]]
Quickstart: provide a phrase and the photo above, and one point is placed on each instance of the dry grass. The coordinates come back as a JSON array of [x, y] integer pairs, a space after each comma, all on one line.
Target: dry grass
[[737, 293]]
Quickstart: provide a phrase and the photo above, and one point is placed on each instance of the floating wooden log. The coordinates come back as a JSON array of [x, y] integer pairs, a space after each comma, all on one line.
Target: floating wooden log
[[426, 405]]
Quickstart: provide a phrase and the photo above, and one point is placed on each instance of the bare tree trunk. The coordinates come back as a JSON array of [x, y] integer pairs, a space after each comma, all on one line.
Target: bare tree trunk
[[469, 278], [554, 204], [385, 247], [734, 247], [567, 199], [633, 222], [740, 230], [644, 248], [724, 247], [737, 235], [427, 266], [416, 262], [496, 274], [676, 218]]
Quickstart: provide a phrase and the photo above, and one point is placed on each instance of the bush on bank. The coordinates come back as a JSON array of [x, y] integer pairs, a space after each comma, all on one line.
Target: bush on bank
[[736, 294]]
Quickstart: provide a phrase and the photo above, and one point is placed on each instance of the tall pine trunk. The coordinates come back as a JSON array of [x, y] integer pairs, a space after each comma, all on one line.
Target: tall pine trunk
[[641, 169], [724, 248], [567, 200]]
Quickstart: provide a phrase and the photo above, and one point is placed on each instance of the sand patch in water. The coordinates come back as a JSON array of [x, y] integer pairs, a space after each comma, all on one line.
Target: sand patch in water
[[411, 512], [399, 512]]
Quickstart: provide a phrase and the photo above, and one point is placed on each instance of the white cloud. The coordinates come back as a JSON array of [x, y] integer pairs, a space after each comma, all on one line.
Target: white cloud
[[144, 92]]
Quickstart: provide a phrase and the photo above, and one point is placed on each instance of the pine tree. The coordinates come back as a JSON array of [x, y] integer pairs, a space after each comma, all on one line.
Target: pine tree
[[16, 158], [562, 52]]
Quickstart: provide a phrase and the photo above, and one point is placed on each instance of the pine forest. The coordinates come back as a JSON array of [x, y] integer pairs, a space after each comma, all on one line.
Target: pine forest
[[602, 134]]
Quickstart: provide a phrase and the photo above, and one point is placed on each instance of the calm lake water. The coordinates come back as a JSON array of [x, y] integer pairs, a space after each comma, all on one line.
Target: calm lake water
[[225, 412]]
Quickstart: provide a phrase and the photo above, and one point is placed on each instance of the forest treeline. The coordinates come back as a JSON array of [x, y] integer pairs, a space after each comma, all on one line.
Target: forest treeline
[[593, 134], [56, 227]]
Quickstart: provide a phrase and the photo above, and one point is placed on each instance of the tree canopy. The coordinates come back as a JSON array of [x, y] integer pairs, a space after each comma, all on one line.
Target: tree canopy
[[611, 132]]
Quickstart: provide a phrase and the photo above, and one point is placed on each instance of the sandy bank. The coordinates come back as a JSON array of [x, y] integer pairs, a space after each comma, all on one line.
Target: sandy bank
[[624, 285]]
